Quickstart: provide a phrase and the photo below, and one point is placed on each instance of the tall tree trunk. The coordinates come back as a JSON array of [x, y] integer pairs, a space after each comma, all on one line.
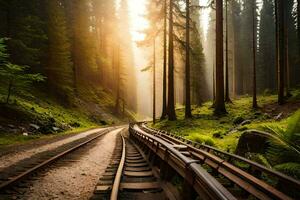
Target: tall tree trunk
[[171, 100], [9, 92], [227, 98], [298, 23], [117, 106], [188, 112], [154, 85], [254, 101], [281, 49], [287, 64], [164, 103], [219, 104]]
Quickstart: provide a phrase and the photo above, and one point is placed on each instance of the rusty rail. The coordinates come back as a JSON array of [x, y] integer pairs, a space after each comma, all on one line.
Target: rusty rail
[[117, 180], [13, 180], [249, 180], [204, 184], [283, 179]]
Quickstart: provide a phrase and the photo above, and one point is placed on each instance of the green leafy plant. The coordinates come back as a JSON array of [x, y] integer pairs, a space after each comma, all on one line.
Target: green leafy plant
[[15, 76], [284, 150]]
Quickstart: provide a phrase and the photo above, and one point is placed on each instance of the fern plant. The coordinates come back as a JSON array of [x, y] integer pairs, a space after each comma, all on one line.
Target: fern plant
[[284, 150]]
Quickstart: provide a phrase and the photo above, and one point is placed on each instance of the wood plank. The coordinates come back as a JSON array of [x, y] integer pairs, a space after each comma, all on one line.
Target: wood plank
[[137, 169], [144, 164], [138, 174], [135, 161], [134, 157], [102, 189], [140, 186]]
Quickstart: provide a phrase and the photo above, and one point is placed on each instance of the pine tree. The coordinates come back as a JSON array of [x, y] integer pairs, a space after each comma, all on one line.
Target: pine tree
[[266, 67], [59, 66], [171, 98], [254, 35], [280, 8], [164, 101], [219, 103], [188, 112]]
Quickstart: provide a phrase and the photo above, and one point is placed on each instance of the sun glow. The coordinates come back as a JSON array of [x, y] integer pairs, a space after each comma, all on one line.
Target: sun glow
[[137, 10]]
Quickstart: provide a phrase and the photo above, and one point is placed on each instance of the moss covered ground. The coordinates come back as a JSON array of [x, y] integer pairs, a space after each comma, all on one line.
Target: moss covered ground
[[53, 117], [224, 132]]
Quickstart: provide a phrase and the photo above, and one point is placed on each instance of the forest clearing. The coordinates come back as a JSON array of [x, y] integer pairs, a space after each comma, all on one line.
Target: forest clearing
[[150, 99]]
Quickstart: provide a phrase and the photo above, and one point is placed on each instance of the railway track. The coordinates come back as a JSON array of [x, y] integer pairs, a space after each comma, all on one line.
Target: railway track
[[129, 175], [14, 177], [146, 161], [251, 179], [133, 174]]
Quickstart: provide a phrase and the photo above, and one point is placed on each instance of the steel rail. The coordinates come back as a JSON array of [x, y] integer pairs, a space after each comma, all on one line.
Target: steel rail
[[279, 175], [212, 159], [37, 167], [202, 181], [117, 180]]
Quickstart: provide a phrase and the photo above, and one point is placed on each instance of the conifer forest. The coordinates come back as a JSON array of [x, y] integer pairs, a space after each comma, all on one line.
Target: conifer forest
[[150, 99]]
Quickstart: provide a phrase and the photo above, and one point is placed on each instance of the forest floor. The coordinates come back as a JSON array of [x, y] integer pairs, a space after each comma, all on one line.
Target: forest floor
[[224, 132], [30, 118]]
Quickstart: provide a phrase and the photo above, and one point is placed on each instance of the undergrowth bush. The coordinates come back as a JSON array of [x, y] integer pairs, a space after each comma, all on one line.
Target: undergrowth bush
[[203, 139]]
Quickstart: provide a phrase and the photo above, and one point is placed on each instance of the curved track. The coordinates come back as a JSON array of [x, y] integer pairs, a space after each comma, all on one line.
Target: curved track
[[11, 177]]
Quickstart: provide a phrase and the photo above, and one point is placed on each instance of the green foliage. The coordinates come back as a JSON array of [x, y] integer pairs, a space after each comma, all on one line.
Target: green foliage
[[285, 147], [59, 66], [15, 76], [202, 139], [259, 158], [3, 54], [224, 132], [290, 168]]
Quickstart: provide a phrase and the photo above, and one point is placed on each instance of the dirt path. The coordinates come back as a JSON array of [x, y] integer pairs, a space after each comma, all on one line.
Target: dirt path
[[75, 180], [14, 157]]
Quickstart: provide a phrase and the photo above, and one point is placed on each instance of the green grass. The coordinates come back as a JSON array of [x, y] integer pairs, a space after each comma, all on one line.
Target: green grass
[[206, 128], [46, 112]]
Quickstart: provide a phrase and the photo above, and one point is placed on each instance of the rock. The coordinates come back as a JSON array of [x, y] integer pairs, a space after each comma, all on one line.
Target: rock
[[238, 120], [11, 126], [22, 128], [25, 134], [65, 126], [36, 127], [14, 130], [253, 141], [55, 128], [267, 116], [279, 116]]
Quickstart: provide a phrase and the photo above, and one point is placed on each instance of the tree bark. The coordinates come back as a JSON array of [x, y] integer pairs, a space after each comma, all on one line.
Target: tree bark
[[219, 103], [154, 85], [164, 103], [117, 106], [254, 100], [298, 22], [227, 97], [287, 64], [188, 112], [281, 47], [171, 100]]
